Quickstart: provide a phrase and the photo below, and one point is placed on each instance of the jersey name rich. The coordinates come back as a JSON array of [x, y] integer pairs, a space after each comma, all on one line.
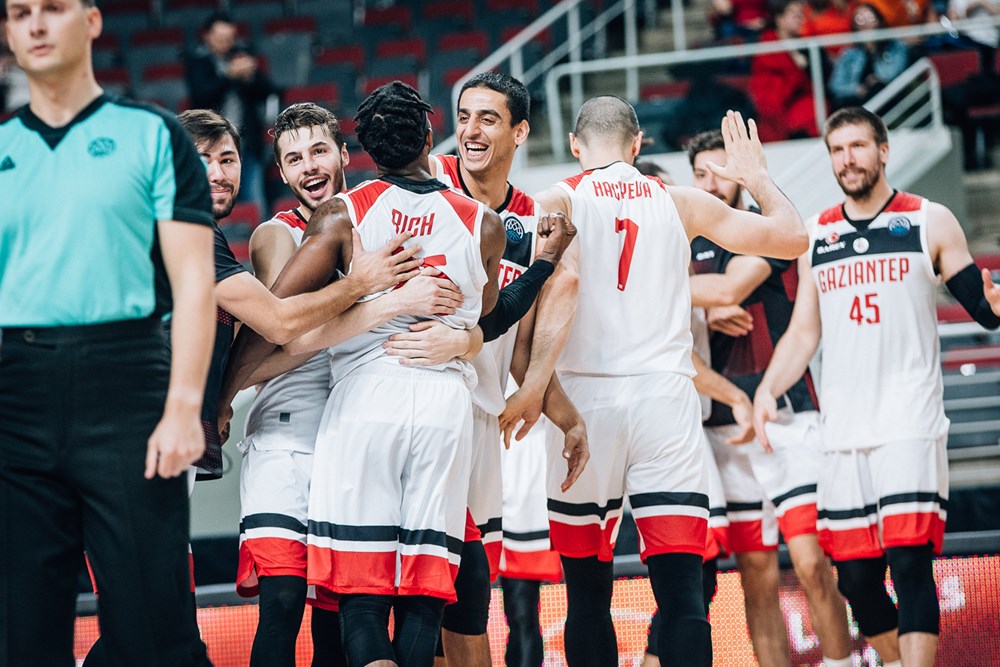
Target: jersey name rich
[[418, 225], [863, 272], [637, 189]]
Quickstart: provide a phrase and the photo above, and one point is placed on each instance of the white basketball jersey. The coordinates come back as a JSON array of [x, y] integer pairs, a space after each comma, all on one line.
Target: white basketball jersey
[[699, 332], [292, 403], [447, 226], [520, 219], [881, 373], [634, 311]]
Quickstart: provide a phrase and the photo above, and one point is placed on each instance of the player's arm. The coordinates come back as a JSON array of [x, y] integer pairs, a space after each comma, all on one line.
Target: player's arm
[[493, 241], [554, 315], [792, 353], [719, 388], [329, 244], [561, 412], [178, 439], [744, 274], [776, 232], [971, 286]]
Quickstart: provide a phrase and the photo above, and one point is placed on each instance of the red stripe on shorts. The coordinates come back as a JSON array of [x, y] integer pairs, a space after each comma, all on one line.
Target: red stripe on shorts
[[351, 571], [672, 534], [268, 557], [532, 565], [747, 536], [424, 574], [493, 551], [716, 540], [583, 541], [797, 521], [472, 533], [325, 599], [914, 529], [851, 543]]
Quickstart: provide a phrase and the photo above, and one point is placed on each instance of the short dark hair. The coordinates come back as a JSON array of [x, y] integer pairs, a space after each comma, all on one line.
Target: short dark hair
[[777, 7], [306, 114], [856, 116], [518, 99], [392, 124], [217, 16], [208, 126], [607, 116], [710, 140]]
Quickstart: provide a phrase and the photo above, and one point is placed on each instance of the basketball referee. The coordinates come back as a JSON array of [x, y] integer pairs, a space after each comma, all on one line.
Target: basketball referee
[[96, 425]]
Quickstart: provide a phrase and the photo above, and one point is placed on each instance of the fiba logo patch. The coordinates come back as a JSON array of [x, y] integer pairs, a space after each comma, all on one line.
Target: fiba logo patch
[[899, 226], [102, 147], [514, 228]]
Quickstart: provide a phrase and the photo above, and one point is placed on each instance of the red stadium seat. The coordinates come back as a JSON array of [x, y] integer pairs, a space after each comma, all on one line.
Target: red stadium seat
[[955, 66], [246, 212], [396, 48], [508, 33], [338, 55], [284, 204], [158, 37], [740, 82], [107, 40], [374, 82], [114, 76], [664, 90], [449, 9], [530, 6], [324, 94], [163, 71], [451, 77], [360, 162], [954, 358], [116, 7], [474, 40], [399, 16], [348, 126], [301, 24]]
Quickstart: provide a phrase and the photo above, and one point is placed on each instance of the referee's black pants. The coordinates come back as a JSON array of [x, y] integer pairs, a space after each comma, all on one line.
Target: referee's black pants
[[77, 406]]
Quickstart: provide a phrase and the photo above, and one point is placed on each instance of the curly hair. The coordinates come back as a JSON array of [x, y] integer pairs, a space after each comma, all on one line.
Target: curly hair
[[392, 124]]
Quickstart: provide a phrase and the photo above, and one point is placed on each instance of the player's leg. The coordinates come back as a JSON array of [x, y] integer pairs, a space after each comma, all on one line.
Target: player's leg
[[282, 602], [790, 474], [416, 629], [848, 531], [911, 479], [40, 515], [328, 647], [521, 599], [135, 530], [752, 537], [667, 482], [584, 521], [364, 625], [651, 657]]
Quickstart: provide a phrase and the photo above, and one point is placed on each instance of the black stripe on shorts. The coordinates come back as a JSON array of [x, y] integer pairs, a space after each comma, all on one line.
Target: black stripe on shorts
[[585, 509], [689, 499], [798, 491], [271, 520]]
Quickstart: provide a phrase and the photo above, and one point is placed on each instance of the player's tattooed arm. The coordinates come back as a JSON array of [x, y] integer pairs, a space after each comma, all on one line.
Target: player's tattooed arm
[[719, 388], [776, 232], [792, 353]]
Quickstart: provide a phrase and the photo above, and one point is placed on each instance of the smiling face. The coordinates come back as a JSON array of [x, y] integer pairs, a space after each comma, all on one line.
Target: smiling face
[[858, 159], [222, 161], [49, 37], [486, 137], [311, 164], [705, 179]]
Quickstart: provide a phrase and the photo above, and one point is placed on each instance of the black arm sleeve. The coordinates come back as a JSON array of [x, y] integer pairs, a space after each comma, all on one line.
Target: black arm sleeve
[[967, 287], [515, 300]]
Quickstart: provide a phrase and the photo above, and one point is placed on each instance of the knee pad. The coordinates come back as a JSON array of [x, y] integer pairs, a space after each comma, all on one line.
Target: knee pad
[[862, 582], [912, 572], [470, 614]]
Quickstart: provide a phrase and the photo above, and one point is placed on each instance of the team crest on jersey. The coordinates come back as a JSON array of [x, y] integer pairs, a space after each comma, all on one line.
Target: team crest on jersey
[[861, 245], [514, 228], [102, 147], [832, 238], [899, 226]]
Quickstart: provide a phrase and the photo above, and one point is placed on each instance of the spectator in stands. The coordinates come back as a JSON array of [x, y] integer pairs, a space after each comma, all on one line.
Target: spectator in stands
[[987, 37], [224, 76], [742, 19], [780, 83], [864, 69], [826, 17], [897, 13]]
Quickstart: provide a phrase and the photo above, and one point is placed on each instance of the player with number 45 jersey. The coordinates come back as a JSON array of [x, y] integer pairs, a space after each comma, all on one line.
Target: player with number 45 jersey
[[868, 286], [627, 366]]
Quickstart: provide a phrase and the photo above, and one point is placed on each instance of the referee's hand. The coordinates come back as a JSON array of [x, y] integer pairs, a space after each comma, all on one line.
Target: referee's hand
[[177, 442]]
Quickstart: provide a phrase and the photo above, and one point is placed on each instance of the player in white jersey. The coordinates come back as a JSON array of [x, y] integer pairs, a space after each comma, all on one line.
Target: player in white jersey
[[492, 121], [765, 491], [627, 367], [867, 286]]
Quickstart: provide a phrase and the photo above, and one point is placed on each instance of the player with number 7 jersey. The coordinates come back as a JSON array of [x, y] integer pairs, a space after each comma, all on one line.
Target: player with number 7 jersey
[[627, 367]]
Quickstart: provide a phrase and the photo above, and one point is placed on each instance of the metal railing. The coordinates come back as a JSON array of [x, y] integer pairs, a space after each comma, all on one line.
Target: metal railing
[[812, 45], [512, 53]]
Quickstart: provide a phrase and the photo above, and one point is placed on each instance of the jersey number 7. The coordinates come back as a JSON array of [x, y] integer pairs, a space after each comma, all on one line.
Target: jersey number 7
[[627, 248]]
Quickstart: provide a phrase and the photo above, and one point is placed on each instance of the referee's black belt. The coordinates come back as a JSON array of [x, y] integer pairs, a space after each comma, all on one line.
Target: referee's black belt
[[137, 328]]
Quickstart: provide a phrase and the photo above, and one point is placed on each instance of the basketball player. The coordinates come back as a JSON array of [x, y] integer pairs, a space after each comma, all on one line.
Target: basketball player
[[765, 491], [106, 229], [492, 122], [868, 286], [627, 366]]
